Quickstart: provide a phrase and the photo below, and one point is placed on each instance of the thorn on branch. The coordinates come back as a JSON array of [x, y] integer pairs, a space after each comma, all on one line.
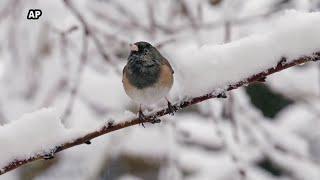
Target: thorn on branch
[[88, 142]]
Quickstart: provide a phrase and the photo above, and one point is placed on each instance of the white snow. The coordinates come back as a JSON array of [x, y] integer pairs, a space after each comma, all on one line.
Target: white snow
[[35, 133], [303, 86], [293, 35]]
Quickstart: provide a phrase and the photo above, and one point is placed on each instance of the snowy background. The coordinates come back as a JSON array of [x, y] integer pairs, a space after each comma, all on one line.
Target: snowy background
[[50, 94]]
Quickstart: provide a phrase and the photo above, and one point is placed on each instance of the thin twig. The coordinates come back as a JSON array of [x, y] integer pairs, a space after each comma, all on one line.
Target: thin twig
[[152, 17], [188, 14], [133, 20], [106, 56], [62, 81], [83, 57], [74, 90]]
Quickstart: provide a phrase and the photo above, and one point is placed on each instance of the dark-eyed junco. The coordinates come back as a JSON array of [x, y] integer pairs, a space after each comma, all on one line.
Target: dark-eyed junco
[[147, 76]]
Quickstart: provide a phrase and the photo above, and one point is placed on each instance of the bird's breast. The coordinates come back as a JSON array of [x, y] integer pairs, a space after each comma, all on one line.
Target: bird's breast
[[142, 76], [153, 93]]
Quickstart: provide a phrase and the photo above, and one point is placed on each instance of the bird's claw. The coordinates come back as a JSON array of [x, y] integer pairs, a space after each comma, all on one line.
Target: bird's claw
[[172, 109], [142, 117], [222, 95]]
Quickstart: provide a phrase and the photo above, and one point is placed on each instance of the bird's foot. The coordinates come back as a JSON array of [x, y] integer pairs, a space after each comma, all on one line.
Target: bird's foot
[[142, 117], [172, 109]]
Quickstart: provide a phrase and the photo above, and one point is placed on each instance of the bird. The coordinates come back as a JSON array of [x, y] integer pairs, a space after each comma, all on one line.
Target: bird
[[147, 77]]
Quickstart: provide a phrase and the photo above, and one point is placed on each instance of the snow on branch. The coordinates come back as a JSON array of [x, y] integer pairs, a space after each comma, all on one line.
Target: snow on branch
[[41, 135]]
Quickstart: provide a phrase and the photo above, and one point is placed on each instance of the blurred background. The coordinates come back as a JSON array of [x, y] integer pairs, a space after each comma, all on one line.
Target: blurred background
[[266, 131]]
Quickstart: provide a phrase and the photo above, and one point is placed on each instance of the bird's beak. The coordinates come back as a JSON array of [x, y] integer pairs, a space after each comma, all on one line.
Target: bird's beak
[[134, 47]]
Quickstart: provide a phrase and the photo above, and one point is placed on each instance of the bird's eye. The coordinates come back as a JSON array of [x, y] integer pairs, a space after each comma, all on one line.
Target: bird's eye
[[145, 51]]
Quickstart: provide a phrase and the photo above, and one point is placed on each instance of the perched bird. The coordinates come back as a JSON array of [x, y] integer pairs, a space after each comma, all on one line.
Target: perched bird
[[147, 76]]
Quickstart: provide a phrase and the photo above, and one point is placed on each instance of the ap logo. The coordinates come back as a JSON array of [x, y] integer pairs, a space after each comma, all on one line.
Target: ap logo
[[34, 14]]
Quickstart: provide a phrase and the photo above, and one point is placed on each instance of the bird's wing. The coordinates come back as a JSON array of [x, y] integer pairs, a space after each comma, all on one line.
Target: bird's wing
[[166, 62], [123, 71]]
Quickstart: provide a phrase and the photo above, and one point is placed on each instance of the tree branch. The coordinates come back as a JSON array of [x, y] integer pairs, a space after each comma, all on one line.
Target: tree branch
[[111, 126], [88, 30]]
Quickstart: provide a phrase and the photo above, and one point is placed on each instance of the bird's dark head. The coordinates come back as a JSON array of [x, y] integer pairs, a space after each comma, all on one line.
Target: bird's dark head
[[140, 47], [143, 51], [143, 66]]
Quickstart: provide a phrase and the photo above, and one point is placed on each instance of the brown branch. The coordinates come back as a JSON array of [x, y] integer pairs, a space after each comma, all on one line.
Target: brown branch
[[110, 126]]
